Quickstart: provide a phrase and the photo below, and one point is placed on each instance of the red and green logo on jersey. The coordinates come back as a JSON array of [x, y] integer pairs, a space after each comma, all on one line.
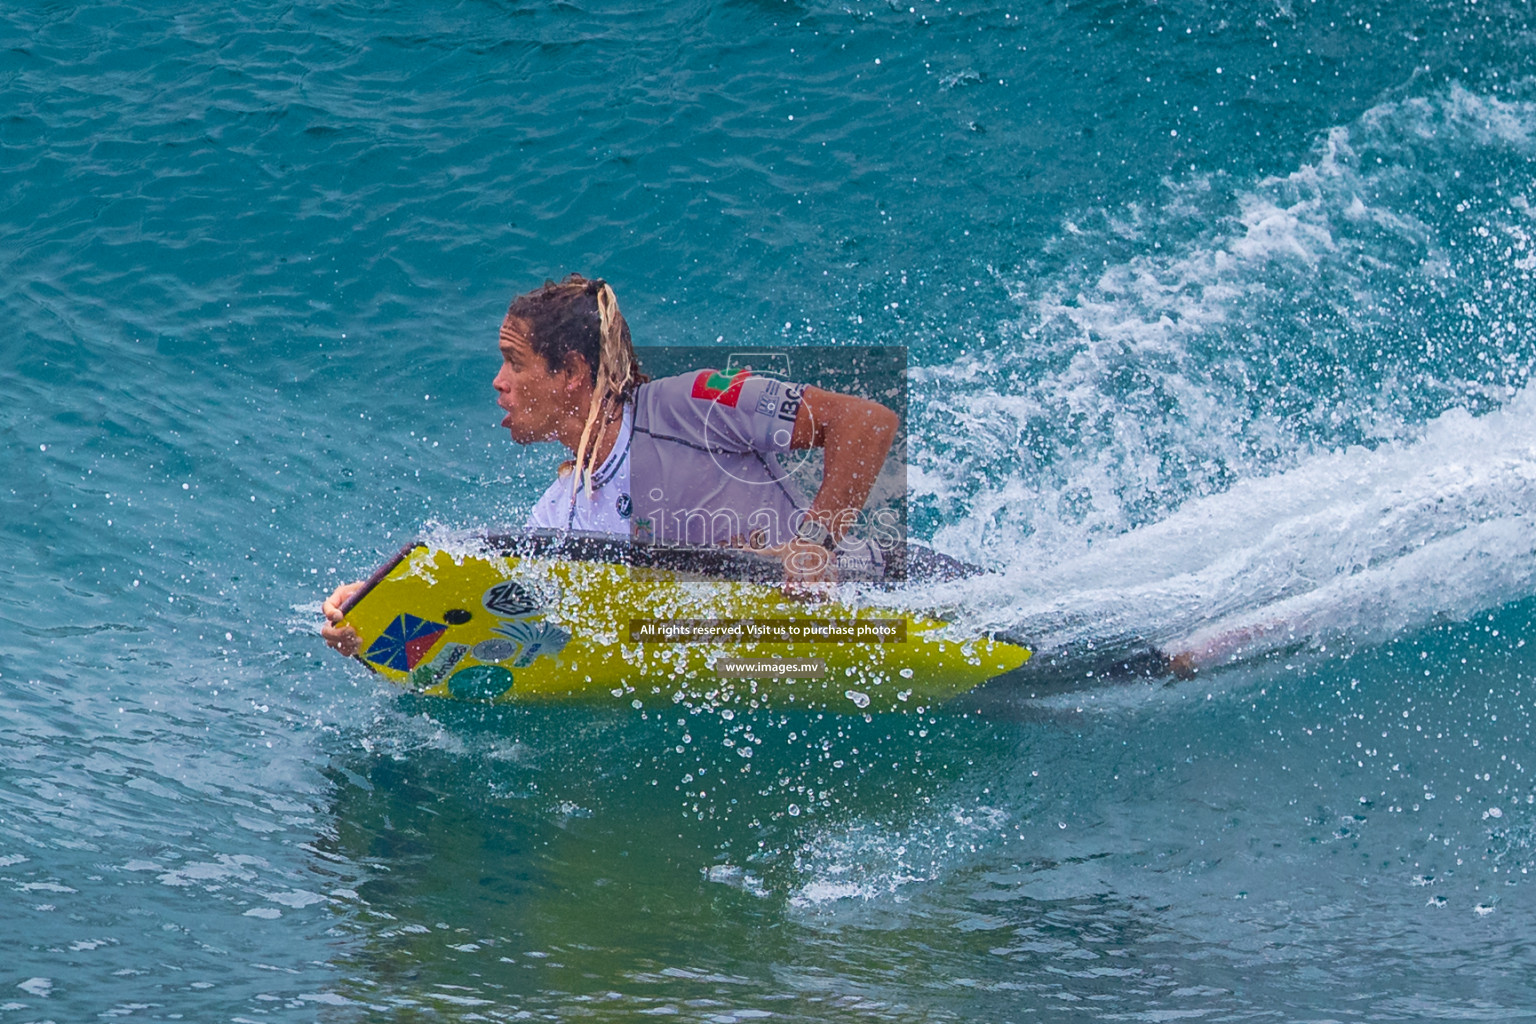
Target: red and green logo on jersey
[[714, 386]]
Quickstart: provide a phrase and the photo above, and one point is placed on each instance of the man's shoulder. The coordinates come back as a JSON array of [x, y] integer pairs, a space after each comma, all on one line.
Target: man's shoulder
[[666, 385], [737, 411], [705, 387], [686, 382]]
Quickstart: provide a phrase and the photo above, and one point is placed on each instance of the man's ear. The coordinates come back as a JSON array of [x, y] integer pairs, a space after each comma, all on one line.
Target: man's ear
[[575, 367]]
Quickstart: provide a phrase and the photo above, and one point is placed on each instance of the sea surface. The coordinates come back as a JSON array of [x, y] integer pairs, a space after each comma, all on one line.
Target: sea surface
[[1219, 324]]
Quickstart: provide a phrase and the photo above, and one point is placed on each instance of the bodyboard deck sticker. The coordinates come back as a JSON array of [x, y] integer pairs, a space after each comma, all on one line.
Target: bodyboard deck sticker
[[404, 642]]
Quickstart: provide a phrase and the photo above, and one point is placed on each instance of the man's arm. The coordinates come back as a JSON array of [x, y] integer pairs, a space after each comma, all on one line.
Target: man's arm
[[855, 436]]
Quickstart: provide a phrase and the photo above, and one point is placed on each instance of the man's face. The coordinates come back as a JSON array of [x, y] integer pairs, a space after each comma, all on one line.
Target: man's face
[[536, 399]]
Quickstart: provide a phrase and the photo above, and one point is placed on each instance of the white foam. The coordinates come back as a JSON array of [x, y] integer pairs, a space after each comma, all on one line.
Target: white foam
[[237, 867], [1363, 542], [1115, 462], [296, 899], [1153, 361], [868, 862]]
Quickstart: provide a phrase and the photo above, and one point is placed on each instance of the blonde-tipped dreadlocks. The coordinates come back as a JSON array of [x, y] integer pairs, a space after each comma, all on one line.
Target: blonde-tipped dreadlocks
[[616, 371]]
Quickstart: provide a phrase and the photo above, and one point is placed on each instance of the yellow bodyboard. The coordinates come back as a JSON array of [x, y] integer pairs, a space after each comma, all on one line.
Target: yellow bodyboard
[[530, 627]]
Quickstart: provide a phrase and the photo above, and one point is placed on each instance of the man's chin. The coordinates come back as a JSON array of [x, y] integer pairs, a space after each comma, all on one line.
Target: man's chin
[[520, 436]]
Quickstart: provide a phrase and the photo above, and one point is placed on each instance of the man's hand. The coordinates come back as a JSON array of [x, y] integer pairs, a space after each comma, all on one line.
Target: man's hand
[[339, 636], [809, 569]]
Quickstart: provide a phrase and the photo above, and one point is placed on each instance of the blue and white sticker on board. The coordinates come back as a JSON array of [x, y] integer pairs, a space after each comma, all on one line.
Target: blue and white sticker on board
[[535, 639], [510, 599], [498, 649]]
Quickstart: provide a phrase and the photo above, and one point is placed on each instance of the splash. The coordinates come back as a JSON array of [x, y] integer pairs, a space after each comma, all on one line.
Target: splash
[[1358, 543], [866, 861], [1281, 411]]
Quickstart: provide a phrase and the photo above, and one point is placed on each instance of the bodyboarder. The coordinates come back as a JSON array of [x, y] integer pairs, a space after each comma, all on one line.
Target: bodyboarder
[[690, 459]]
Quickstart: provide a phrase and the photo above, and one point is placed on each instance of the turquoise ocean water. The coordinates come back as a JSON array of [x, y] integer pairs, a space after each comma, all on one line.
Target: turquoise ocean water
[[1219, 319]]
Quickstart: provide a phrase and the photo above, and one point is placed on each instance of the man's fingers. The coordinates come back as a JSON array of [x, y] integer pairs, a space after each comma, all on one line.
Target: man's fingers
[[340, 637], [807, 591], [343, 639], [1183, 665], [332, 605], [810, 562]]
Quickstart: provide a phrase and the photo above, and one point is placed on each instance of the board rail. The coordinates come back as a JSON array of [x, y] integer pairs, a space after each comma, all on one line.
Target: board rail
[[909, 562]]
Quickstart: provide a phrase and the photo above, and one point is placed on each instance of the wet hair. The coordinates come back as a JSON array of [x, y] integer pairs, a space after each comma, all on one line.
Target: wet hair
[[582, 316]]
